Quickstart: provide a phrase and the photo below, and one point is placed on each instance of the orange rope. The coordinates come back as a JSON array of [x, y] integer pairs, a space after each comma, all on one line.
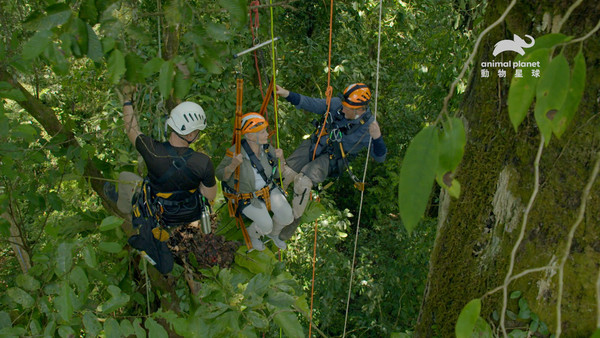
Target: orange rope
[[254, 23], [328, 93]]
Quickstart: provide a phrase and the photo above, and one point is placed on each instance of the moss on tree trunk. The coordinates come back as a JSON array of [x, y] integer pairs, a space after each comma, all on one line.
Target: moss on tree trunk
[[477, 232]]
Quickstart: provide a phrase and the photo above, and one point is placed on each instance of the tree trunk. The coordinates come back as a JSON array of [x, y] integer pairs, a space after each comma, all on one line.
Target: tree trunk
[[16, 242], [477, 232]]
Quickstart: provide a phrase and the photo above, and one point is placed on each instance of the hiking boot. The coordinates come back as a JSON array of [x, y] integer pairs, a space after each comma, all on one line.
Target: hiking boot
[[278, 242], [110, 190], [288, 231]]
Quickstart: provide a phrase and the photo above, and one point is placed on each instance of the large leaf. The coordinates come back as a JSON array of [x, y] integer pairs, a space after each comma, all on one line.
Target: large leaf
[[522, 89], [91, 324], [27, 282], [551, 93], [117, 300], [467, 319], [288, 321], [21, 297], [155, 330], [89, 256], [416, 176], [451, 150], [255, 261], [88, 11], [64, 258], [576, 87], [258, 285], [57, 15], [64, 302], [545, 41], [110, 222], [111, 247], [134, 64], [80, 279], [37, 44], [280, 299], [153, 66], [182, 85], [94, 49], [165, 79], [116, 66], [112, 328]]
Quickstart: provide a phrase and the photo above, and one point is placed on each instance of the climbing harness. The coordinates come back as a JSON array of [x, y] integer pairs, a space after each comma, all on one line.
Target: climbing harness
[[154, 211]]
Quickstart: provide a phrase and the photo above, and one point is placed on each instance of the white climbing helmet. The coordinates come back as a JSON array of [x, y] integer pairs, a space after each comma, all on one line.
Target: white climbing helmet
[[187, 117]]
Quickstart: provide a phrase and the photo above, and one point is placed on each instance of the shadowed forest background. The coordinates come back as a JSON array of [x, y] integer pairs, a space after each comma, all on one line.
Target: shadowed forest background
[[518, 246]]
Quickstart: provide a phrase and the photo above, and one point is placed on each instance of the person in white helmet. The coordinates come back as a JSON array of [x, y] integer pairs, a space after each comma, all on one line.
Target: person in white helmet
[[179, 184]]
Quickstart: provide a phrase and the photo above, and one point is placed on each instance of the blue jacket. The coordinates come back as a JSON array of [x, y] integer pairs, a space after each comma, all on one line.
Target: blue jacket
[[353, 141]]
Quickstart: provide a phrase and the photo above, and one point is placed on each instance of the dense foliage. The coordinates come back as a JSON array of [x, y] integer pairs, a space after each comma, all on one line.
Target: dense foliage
[[62, 138]]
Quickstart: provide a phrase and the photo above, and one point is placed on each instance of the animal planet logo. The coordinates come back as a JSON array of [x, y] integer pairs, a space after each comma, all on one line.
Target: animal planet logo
[[515, 45]]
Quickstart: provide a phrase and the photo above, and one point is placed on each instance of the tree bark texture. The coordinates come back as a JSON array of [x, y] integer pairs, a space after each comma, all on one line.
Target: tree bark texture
[[477, 232]]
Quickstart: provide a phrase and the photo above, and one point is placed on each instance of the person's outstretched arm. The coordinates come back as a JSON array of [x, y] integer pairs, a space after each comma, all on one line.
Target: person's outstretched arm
[[132, 128]]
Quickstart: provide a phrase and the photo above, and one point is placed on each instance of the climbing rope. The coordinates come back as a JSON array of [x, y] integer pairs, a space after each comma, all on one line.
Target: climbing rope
[[362, 193], [273, 86], [328, 93]]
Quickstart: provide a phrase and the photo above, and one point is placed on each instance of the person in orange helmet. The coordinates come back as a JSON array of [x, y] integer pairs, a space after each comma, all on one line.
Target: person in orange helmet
[[257, 189], [349, 128]]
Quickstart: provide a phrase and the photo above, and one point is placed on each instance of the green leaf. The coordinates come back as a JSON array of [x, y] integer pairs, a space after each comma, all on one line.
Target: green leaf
[[57, 15], [94, 49], [88, 11], [89, 256], [515, 294], [126, 328], [257, 320], [117, 300], [4, 228], [416, 176], [289, 323], [137, 327], [451, 146], [524, 311], [165, 79], [37, 44], [482, 329], [111, 247], [110, 222], [182, 85], [545, 41], [27, 282], [112, 328], [66, 331], [155, 330], [255, 261], [217, 31], [91, 324], [153, 66], [576, 87], [258, 285], [134, 73], [21, 297], [80, 279], [116, 66], [64, 302], [64, 258], [596, 334], [57, 59], [551, 93], [280, 299], [5, 321], [467, 319], [517, 334], [522, 89]]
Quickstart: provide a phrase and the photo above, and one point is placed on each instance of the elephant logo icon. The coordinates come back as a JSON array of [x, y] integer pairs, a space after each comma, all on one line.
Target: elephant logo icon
[[515, 45]]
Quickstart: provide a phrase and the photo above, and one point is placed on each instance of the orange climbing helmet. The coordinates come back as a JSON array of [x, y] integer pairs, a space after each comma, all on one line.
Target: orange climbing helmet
[[356, 95], [253, 122]]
